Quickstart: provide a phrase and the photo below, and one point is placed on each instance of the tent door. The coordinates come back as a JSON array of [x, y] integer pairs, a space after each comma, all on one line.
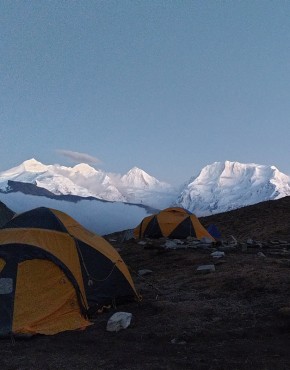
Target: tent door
[[45, 300]]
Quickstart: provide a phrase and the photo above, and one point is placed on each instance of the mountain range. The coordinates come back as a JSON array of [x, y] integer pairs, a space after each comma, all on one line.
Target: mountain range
[[82, 180], [219, 187]]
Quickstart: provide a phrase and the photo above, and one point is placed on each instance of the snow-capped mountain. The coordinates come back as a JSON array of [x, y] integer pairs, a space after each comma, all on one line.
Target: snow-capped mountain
[[223, 186], [81, 180], [137, 178], [219, 187], [139, 187], [85, 181]]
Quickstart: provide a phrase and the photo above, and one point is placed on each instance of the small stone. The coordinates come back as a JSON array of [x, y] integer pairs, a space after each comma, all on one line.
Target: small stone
[[144, 272], [274, 242], [170, 244], [218, 254], [205, 268], [178, 241], [178, 341], [261, 254], [142, 243]]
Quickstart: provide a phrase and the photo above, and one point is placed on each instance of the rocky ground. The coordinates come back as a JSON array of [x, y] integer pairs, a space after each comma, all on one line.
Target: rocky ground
[[236, 316]]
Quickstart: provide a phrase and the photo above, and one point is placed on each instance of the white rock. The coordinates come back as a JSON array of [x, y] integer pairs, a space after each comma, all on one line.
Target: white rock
[[178, 241], [205, 268], [218, 254], [170, 244], [142, 243], [118, 321]]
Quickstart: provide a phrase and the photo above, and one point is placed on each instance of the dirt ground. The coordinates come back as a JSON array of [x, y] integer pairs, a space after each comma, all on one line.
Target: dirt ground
[[237, 317]]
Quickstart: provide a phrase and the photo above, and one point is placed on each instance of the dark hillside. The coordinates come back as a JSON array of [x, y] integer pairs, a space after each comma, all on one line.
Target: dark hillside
[[5, 214], [263, 221]]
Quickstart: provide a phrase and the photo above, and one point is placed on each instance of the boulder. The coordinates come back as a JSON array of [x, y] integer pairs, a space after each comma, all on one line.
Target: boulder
[[118, 321]]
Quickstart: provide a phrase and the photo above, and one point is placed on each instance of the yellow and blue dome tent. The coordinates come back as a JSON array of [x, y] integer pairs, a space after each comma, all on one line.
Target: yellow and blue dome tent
[[175, 223], [53, 271]]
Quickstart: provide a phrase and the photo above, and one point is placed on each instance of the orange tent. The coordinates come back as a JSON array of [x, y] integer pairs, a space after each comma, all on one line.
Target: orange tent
[[176, 223], [53, 271]]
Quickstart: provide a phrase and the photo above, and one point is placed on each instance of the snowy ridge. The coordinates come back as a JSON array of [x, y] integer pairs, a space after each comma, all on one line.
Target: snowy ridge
[[139, 187], [223, 186], [84, 180], [219, 187], [137, 178]]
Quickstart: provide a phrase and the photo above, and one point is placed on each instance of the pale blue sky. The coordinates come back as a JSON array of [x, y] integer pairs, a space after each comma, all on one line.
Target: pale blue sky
[[168, 86]]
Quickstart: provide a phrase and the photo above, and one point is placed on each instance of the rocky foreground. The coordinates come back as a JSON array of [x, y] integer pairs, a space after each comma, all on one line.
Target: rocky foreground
[[203, 306]]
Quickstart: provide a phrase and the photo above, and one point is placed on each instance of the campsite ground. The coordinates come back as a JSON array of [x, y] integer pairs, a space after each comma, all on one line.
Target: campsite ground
[[237, 317]]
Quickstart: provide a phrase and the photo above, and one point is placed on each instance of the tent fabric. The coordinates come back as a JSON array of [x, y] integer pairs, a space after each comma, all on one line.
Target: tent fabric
[[214, 231], [58, 271], [2, 264], [175, 222], [24, 244], [27, 267], [32, 313]]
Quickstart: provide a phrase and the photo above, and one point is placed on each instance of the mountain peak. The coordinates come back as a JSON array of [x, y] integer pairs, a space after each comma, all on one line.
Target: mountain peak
[[136, 169], [223, 186], [84, 169], [32, 165], [138, 178]]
